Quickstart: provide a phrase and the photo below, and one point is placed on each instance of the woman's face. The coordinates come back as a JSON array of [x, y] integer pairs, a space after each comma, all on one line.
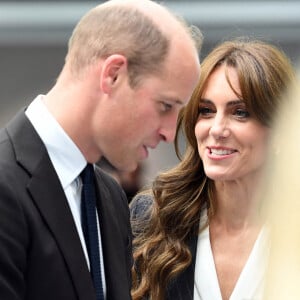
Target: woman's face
[[231, 143]]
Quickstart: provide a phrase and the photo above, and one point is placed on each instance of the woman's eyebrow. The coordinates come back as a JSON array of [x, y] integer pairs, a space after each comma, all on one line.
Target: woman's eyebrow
[[229, 103]]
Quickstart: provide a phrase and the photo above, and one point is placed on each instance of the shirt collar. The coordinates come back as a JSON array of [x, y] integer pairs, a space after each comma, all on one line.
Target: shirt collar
[[66, 157]]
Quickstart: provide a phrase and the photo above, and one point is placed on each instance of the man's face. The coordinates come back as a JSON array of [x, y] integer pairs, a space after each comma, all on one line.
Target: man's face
[[144, 116]]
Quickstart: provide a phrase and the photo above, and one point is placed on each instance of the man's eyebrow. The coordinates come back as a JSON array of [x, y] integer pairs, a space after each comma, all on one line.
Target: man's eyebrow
[[173, 99]]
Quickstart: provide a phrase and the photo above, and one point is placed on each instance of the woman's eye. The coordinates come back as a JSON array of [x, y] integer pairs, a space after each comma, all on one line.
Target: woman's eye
[[242, 113], [205, 111]]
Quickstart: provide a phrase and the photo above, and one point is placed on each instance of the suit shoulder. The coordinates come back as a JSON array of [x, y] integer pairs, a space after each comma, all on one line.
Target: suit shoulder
[[107, 179], [6, 149], [111, 188]]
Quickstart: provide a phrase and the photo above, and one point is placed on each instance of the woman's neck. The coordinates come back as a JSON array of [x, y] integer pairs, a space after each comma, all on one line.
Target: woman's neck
[[236, 205]]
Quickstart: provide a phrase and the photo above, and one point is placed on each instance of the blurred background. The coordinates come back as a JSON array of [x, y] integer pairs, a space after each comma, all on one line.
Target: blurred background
[[34, 36]]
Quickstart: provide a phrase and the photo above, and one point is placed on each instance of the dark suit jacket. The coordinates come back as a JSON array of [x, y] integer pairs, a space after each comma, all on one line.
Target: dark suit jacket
[[41, 257], [182, 287]]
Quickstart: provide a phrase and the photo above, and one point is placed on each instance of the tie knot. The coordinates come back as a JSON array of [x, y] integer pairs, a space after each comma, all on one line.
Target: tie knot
[[87, 174]]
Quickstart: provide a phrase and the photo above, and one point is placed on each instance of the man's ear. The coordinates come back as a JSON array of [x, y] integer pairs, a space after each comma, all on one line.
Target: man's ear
[[113, 67]]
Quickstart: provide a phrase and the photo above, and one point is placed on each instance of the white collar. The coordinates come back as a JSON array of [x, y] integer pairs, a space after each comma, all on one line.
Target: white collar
[[66, 157]]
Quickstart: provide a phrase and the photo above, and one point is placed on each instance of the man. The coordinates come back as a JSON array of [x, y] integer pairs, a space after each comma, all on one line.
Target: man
[[130, 67]]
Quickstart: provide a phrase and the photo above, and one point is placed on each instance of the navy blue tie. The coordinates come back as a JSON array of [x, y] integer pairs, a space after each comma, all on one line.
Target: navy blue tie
[[89, 226]]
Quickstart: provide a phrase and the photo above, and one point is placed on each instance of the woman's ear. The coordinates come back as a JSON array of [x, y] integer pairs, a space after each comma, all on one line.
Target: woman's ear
[[113, 67]]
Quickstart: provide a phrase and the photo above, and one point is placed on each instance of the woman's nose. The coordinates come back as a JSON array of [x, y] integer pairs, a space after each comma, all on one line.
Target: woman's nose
[[219, 127]]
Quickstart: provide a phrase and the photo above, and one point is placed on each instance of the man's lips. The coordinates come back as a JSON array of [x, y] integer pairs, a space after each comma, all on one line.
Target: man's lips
[[146, 149]]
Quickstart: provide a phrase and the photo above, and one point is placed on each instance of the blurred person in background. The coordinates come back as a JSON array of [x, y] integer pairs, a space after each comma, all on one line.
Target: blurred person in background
[[280, 193], [198, 231], [131, 66]]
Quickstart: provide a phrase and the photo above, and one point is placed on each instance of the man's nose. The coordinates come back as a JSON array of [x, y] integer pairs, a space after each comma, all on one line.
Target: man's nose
[[168, 129]]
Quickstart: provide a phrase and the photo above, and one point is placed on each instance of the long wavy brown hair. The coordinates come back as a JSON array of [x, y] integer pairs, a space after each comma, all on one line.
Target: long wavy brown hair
[[180, 194]]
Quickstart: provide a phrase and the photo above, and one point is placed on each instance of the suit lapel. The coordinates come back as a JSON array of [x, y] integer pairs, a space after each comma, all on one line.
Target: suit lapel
[[56, 212], [49, 197]]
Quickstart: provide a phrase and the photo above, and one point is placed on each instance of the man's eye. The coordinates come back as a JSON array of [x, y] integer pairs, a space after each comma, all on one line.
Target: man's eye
[[166, 106]]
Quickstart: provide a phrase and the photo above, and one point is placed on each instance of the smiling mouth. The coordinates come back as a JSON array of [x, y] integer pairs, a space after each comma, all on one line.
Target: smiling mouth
[[221, 151]]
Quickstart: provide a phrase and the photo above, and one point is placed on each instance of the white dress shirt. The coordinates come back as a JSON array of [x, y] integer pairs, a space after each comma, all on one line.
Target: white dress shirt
[[250, 284], [68, 163]]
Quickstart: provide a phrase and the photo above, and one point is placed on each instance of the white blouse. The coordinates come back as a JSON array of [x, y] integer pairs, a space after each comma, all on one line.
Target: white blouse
[[251, 281]]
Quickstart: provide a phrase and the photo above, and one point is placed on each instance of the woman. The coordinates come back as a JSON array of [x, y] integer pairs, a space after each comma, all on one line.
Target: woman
[[198, 231]]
